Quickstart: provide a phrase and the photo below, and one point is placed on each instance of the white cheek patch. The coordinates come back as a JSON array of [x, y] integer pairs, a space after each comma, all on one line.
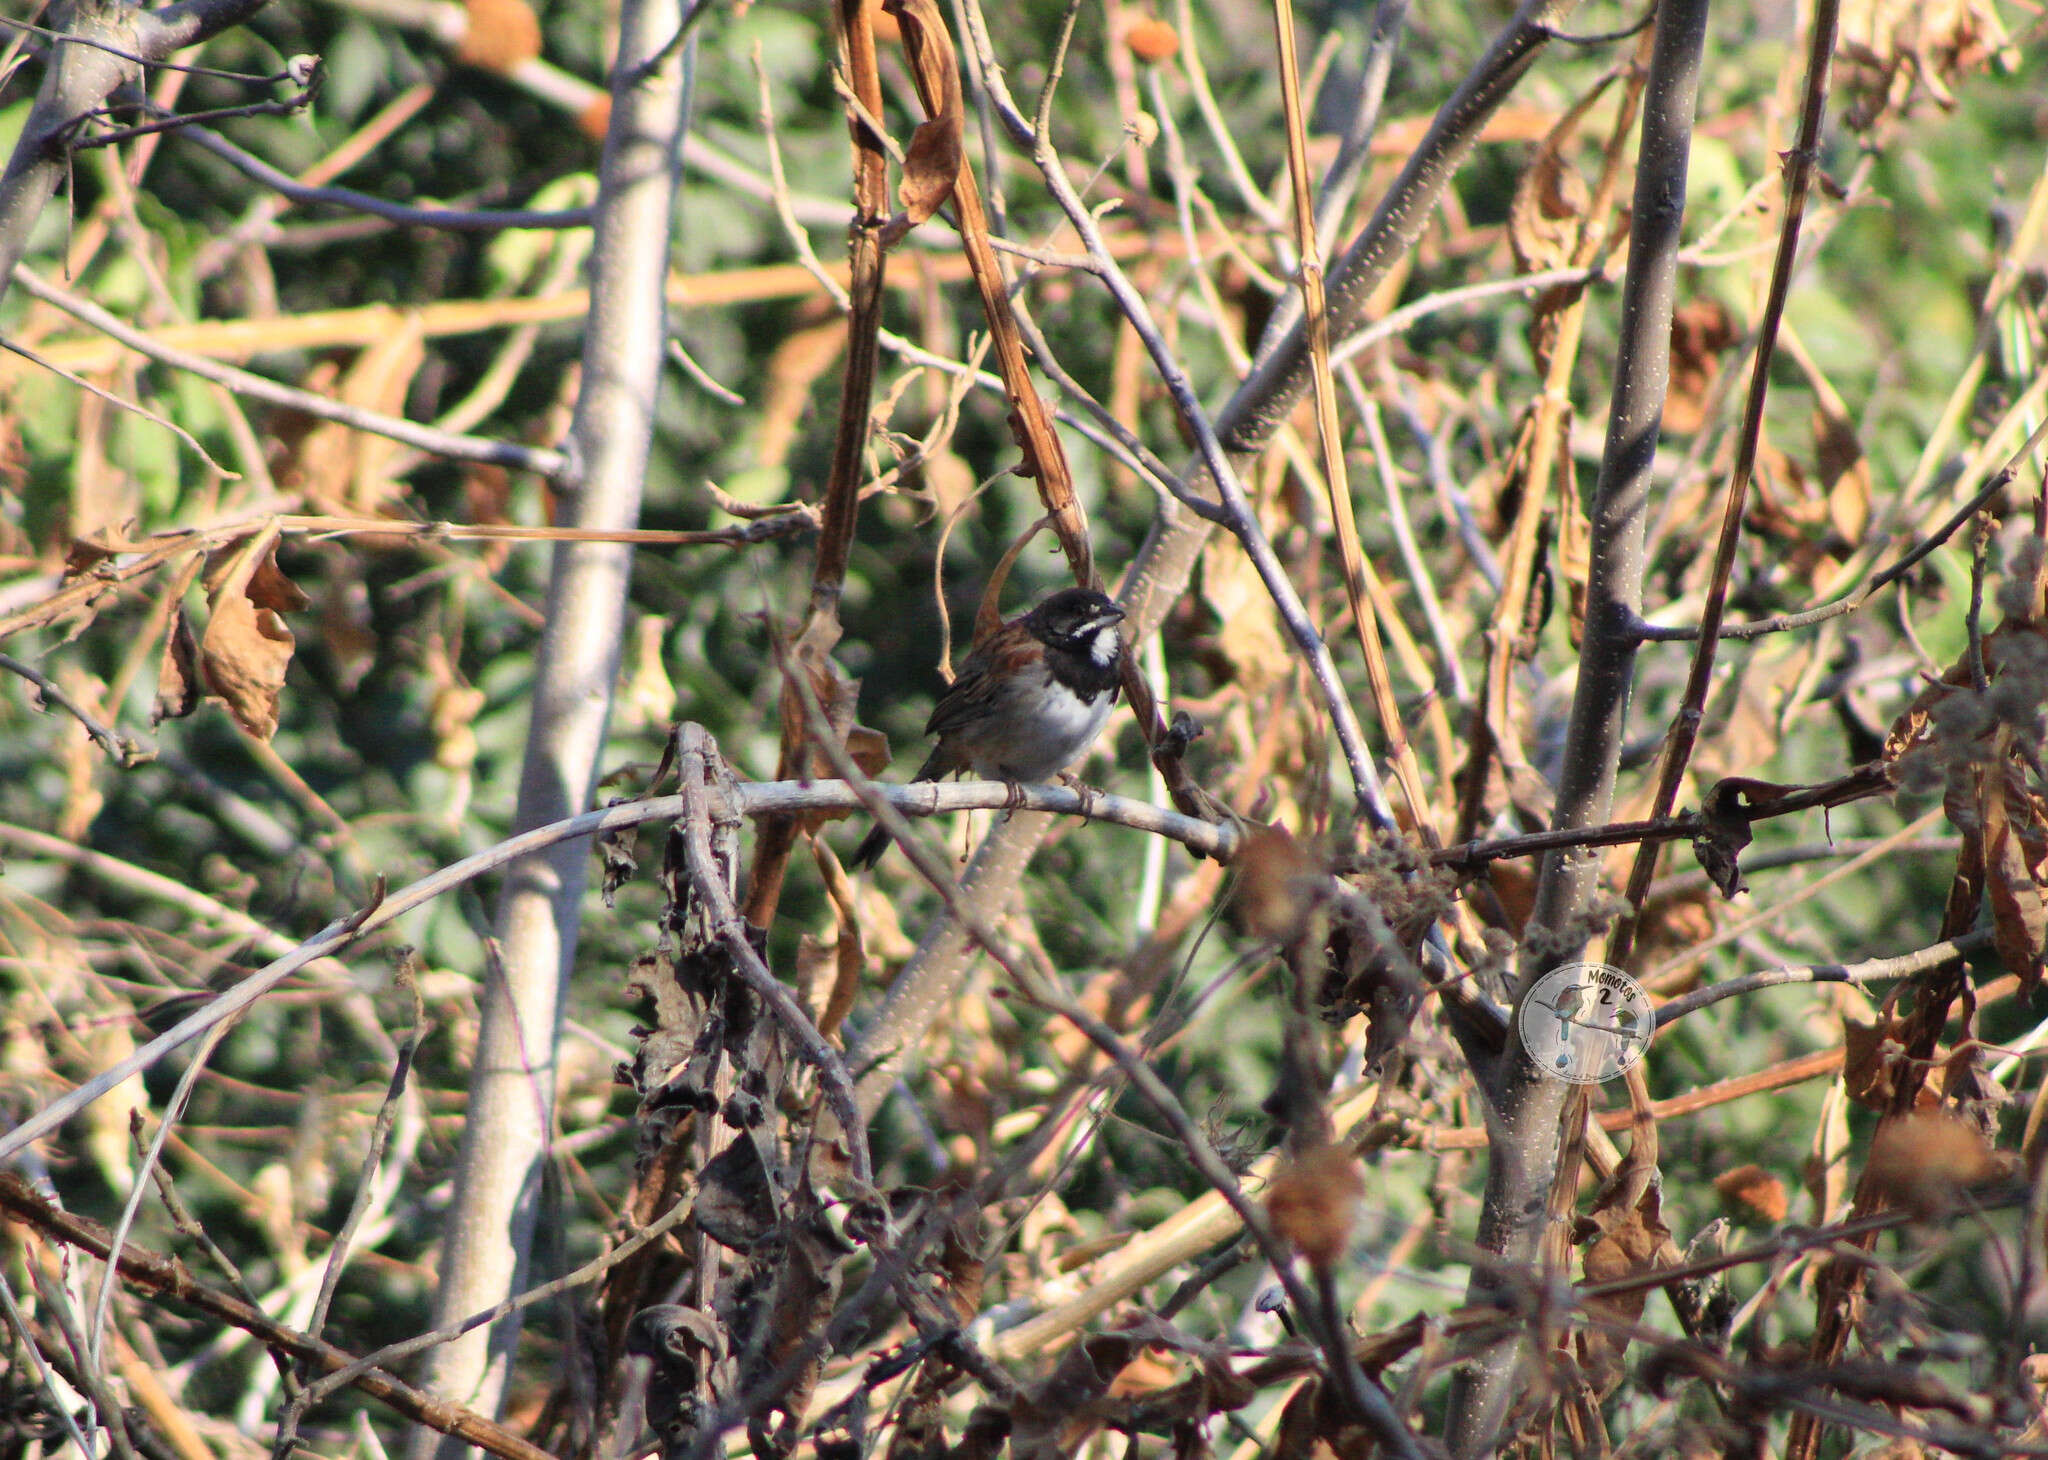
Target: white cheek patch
[[1103, 644]]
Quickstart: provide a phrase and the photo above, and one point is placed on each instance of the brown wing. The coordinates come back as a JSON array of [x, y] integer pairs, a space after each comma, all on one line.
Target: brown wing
[[965, 699]]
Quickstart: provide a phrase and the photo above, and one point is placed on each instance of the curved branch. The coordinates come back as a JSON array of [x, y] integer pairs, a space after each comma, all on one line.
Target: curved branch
[[749, 799], [554, 465], [455, 220], [1920, 960], [124, 752]]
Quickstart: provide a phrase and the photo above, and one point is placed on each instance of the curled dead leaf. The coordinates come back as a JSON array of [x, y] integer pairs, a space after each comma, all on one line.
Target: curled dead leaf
[[1892, 52], [1626, 1243], [177, 677], [1700, 332], [2013, 824], [1844, 474], [931, 165], [247, 644]]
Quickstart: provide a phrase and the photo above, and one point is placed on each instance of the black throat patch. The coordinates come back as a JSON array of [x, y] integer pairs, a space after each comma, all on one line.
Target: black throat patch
[[1077, 670]]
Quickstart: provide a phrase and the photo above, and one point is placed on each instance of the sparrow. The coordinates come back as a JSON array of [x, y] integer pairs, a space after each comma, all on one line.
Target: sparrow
[[1030, 699]]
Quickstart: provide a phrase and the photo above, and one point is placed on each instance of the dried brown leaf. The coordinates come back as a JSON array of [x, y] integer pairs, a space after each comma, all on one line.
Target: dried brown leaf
[[2015, 842], [247, 644], [1313, 1203], [1248, 633], [336, 465], [1753, 1193], [837, 694], [1551, 199], [177, 676], [1701, 332], [1871, 1054], [931, 165], [1893, 51], [1844, 474], [1925, 1160], [501, 34], [1280, 883], [1627, 1246]]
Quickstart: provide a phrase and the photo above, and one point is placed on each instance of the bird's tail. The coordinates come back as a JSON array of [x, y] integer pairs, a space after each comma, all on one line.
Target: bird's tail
[[869, 851]]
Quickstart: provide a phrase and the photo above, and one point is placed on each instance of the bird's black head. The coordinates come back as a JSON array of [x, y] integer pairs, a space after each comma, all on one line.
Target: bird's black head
[[1079, 619]]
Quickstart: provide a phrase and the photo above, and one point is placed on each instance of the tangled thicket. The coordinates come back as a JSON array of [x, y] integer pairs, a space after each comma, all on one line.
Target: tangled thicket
[[469, 535]]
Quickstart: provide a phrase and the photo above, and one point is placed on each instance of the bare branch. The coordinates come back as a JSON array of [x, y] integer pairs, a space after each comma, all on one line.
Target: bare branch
[[554, 465]]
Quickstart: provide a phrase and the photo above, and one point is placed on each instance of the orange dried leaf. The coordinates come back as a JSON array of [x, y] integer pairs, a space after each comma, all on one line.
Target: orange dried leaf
[[1700, 332], [1754, 1193], [1844, 472], [869, 749], [933, 164], [1626, 1246], [1153, 40], [1551, 199], [1924, 1161], [1870, 1052], [1148, 1372], [501, 34], [2015, 844], [1279, 884], [1313, 1203]]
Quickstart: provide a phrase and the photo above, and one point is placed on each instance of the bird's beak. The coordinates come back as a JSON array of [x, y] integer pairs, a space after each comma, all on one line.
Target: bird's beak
[[1109, 615]]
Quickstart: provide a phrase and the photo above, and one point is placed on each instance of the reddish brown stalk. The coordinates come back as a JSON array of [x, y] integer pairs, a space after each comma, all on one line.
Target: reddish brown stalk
[[776, 836], [930, 47]]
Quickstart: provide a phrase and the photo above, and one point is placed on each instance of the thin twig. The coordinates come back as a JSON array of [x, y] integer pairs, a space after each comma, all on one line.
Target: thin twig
[[454, 220], [169, 1278], [1779, 623], [120, 749], [130, 406], [1679, 740], [554, 465], [1920, 960]]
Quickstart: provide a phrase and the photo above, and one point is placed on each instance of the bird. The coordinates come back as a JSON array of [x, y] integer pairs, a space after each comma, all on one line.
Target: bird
[[1031, 697]]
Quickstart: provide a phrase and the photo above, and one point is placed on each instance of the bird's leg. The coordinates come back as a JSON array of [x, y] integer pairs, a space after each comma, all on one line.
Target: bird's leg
[[1082, 789]]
